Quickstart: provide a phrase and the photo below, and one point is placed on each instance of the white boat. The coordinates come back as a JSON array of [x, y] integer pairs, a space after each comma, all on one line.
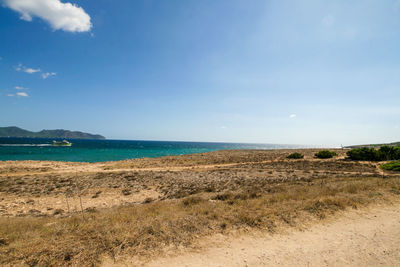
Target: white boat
[[61, 143]]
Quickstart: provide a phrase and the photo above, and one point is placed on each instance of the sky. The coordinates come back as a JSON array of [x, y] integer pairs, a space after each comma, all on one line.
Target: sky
[[311, 72]]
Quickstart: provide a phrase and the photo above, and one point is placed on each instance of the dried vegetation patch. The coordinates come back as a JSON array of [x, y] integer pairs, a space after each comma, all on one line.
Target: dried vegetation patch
[[54, 213], [144, 230]]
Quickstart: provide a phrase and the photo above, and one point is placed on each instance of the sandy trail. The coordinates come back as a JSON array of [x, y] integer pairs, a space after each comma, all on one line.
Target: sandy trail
[[100, 168], [358, 238], [96, 168]]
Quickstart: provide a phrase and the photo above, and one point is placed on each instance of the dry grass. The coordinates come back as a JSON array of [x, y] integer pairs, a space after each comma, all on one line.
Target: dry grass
[[216, 157], [146, 229], [168, 206]]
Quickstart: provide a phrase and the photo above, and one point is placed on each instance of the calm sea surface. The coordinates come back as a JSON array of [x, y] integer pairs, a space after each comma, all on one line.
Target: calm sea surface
[[108, 150]]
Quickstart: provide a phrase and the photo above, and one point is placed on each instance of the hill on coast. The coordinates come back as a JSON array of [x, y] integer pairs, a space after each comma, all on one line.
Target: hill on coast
[[14, 131], [375, 145]]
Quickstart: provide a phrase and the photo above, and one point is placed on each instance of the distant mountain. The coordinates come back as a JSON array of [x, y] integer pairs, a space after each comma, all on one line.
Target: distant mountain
[[375, 145], [64, 134]]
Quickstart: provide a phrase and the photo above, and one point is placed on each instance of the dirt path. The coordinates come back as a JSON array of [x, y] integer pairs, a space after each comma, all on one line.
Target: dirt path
[[98, 168], [358, 238]]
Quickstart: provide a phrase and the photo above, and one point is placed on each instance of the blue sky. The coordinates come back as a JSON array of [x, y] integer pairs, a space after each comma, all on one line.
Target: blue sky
[[298, 72]]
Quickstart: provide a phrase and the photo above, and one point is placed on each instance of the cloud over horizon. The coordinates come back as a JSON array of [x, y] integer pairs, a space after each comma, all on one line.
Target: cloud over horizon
[[30, 70], [23, 94], [61, 16], [21, 67], [45, 75]]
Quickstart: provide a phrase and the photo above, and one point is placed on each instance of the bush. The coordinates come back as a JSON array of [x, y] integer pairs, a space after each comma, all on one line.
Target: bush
[[389, 153], [391, 166], [295, 155], [371, 154], [325, 154], [363, 153]]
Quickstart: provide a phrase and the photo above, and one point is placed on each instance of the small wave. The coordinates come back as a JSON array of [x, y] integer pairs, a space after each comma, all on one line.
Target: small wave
[[25, 144]]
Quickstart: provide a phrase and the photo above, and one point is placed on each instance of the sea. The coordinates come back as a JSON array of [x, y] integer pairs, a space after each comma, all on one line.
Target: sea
[[110, 150]]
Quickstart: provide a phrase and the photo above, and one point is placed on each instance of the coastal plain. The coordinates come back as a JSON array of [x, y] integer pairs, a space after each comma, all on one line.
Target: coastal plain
[[67, 213]]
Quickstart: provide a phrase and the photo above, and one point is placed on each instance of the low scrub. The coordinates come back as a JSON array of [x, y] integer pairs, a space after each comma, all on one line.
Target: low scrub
[[325, 154], [372, 154], [145, 230], [391, 166], [295, 155]]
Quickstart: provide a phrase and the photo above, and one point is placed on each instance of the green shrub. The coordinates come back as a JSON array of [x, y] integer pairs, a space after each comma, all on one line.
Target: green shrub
[[325, 154], [391, 166], [389, 153], [371, 154], [363, 153], [295, 155]]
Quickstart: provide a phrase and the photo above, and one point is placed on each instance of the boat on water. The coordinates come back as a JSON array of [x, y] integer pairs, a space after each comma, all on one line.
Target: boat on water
[[61, 143]]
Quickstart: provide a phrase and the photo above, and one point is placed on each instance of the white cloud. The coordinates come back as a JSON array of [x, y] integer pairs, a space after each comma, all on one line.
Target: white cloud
[[45, 75], [20, 88], [30, 70], [328, 20], [22, 94], [292, 116], [21, 67], [223, 127], [10, 95], [61, 16]]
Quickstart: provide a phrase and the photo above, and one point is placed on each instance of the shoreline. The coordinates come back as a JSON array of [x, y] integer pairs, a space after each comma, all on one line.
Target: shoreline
[[115, 150], [311, 149]]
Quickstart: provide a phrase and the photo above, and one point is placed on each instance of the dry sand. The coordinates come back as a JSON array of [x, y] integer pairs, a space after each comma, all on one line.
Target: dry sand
[[41, 188], [355, 238]]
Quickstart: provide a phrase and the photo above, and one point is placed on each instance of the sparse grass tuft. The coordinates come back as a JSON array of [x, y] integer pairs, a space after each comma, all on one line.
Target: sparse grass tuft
[[146, 229], [192, 200]]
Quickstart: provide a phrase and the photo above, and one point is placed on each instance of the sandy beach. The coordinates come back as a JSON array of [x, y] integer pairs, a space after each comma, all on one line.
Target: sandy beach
[[143, 210]]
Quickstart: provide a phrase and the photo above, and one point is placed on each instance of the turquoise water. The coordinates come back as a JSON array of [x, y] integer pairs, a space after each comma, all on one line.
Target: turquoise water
[[109, 150]]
